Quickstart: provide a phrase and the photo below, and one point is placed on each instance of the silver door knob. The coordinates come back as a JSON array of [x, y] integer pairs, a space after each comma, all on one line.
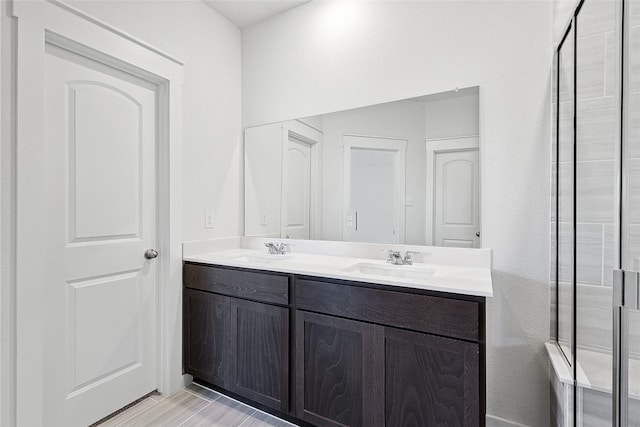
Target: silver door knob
[[478, 234], [150, 254]]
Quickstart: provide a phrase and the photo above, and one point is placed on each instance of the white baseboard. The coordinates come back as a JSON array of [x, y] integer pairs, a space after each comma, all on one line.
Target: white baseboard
[[493, 421]]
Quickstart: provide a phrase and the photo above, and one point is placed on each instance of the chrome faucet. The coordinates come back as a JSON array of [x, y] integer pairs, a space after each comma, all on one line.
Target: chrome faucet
[[396, 258], [277, 248]]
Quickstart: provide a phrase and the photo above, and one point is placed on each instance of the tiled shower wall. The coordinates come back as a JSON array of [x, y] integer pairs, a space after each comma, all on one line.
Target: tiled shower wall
[[597, 131], [633, 137], [597, 128]]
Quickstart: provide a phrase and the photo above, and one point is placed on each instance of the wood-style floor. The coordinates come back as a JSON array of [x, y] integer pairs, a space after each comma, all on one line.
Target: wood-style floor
[[194, 406]]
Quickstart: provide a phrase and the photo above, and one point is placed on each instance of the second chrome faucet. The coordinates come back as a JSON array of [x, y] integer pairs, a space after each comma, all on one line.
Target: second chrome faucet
[[277, 248], [396, 258]]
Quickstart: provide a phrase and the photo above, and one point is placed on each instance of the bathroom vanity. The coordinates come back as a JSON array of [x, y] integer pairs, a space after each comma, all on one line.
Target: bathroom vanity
[[335, 346]]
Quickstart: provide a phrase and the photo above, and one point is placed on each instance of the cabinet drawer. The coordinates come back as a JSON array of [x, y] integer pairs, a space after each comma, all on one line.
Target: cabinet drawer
[[256, 286], [435, 315]]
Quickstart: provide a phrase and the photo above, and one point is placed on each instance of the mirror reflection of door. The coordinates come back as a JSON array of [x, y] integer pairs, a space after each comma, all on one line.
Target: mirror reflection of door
[[454, 192], [372, 195], [297, 189], [374, 189]]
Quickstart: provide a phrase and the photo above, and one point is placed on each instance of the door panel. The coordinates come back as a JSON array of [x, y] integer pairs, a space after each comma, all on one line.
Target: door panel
[[94, 301], [260, 352], [101, 332], [206, 339], [374, 189], [335, 368], [430, 380], [373, 195], [104, 137], [456, 199]]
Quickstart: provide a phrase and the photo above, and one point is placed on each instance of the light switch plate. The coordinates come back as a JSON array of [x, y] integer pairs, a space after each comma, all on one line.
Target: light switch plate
[[409, 202], [208, 219]]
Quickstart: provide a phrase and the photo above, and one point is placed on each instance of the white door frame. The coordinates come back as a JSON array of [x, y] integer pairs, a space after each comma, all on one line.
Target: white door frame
[[397, 145], [433, 147], [40, 22], [313, 137]]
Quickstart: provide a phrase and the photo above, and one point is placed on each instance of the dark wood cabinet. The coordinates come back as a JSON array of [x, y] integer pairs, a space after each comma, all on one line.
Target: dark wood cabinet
[[334, 353], [334, 377], [234, 343], [206, 336], [234, 282], [260, 353], [428, 380]]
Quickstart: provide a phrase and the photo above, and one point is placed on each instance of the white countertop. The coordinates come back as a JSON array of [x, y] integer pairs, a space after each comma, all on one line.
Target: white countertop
[[456, 279]]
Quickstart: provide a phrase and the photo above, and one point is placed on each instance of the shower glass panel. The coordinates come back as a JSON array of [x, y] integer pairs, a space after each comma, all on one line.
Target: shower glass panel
[[597, 161], [631, 215], [565, 177], [597, 218]]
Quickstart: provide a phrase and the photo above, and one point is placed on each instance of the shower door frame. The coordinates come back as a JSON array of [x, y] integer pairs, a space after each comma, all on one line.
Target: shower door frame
[[626, 284]]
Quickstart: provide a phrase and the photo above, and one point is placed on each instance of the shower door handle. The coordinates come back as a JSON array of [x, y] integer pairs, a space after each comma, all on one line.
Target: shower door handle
[[626, 296]]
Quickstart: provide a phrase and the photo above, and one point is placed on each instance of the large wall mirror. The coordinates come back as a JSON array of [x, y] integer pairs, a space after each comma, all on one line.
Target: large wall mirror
[[401, 172]]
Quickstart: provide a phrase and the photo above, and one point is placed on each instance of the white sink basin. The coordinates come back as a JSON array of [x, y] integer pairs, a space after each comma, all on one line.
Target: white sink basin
[[388, 270], [264, 258]]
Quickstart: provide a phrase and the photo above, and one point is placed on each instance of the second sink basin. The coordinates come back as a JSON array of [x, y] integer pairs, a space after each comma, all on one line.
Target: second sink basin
[[399, 271]]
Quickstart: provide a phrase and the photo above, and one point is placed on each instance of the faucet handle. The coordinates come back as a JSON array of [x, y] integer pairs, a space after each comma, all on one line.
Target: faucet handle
[[391, 254], [283, 248], [407, 256], [272, 247]]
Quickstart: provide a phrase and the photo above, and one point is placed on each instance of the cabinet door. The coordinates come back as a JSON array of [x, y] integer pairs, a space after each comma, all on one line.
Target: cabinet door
[[260, 346], [334, 371], [206, 336], [429, 380]]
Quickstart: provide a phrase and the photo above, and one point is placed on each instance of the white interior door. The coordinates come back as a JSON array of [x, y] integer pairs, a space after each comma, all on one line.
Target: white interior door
[[374, 189], [373, 195], [456, 199], [101, 329], [297, 189]]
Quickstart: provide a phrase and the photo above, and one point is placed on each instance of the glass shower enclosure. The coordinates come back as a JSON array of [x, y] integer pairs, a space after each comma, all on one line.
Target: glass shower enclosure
[[596, 212]]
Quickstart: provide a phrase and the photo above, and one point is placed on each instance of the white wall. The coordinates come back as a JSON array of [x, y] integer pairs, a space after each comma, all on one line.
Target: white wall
[[346, 55], [212, 152], [447, 118], [263, 180]]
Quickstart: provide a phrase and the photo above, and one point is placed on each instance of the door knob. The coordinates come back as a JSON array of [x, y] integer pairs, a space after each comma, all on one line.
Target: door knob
[[478, 234], [150, 254]]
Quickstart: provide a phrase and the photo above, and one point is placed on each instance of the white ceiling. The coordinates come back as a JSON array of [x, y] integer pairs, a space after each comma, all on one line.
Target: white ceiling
[[245, 13]]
